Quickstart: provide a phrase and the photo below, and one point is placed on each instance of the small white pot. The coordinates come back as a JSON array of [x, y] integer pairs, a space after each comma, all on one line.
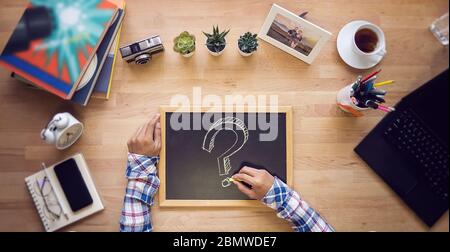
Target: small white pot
[[188, 55], [244, 54], [216, 53]]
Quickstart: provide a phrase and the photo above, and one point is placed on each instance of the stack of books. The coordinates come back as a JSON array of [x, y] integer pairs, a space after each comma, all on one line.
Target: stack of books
[[67, 47]]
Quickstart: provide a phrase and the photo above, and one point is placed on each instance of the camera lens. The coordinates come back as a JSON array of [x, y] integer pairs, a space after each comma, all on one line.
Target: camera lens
[[143, 59]]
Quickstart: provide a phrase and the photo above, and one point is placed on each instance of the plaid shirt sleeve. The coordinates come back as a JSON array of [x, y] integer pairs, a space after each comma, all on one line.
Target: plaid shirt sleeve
[[291, 207], [142, 186]]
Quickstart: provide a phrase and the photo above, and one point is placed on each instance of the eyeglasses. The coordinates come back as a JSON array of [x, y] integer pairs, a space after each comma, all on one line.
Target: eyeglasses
[[52, 210]]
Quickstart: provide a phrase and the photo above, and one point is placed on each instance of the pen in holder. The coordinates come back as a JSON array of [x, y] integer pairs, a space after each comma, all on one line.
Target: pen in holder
[[347, 103], [363, 94]]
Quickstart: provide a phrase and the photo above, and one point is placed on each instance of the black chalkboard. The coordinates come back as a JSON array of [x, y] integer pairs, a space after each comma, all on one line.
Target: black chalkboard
[[193, 173]]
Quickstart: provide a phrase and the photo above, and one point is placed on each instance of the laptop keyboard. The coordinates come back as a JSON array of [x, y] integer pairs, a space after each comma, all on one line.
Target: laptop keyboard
[[410, 135]]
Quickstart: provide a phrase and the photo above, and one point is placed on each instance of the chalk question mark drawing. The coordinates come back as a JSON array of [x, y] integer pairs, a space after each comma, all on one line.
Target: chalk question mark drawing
[[238, 127]]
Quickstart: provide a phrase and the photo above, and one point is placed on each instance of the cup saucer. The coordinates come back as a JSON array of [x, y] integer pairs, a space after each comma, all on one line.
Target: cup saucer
[[344, 46]]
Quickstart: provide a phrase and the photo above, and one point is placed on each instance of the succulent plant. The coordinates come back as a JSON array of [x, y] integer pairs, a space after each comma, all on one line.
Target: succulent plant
[[184, 43], [248, 42], [216, 41]]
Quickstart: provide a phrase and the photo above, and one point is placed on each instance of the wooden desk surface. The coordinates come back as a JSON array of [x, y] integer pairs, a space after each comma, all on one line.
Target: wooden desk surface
[[327, 172]]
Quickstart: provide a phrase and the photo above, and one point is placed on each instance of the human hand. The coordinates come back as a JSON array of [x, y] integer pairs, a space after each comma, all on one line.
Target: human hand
[[147, 139], [260, 180]]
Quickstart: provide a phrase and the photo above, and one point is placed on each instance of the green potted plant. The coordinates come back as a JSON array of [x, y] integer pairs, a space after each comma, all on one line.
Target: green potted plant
[[184, 44], [216, 41], [248, 44]]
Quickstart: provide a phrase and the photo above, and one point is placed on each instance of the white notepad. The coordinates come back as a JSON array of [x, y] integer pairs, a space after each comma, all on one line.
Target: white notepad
[[49, 213]]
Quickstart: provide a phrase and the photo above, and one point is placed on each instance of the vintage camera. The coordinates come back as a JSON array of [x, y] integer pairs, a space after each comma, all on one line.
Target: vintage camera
[[141, 52]]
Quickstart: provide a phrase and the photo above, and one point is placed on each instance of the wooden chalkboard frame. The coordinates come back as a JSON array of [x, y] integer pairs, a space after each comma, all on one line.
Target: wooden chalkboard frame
[[164, 202]]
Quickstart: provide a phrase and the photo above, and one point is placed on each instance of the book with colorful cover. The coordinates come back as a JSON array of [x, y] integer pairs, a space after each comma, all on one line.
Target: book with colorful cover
[[97, 79], [103, 86], [89, 81], [55, 41]]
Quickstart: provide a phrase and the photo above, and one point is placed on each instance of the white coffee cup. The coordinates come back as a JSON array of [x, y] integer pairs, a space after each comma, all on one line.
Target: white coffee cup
[[380, 49]]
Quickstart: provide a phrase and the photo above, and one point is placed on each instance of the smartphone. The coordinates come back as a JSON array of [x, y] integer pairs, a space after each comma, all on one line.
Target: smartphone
[[73, 185]]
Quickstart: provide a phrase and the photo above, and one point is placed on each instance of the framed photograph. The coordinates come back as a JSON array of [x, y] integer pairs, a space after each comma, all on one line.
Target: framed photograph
[[293, 34]]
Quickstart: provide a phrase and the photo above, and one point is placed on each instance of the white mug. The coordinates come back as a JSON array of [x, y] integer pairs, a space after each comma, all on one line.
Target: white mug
[[380, 49]]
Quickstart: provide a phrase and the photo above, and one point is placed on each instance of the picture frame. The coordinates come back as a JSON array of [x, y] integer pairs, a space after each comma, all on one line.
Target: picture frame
[[164, 201], [293, 34]]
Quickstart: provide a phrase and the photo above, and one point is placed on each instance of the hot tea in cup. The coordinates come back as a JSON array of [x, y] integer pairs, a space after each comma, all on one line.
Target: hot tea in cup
[[369, 40]]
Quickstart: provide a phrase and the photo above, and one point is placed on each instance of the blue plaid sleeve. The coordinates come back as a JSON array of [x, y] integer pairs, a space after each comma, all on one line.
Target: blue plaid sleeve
[[291, 207], [142, 186]]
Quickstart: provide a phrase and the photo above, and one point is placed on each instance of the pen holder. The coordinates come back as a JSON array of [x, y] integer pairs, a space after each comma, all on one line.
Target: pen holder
[[344, 102]]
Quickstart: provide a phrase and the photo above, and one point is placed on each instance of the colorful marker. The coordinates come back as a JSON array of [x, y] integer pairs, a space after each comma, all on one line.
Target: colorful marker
[[379, 84], [370, 76]]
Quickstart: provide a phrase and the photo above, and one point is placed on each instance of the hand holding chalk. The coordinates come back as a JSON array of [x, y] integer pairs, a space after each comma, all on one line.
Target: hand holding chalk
[[260, 181]]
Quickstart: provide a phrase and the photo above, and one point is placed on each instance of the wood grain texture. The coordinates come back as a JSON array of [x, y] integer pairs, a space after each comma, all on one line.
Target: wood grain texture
[[328, 174]]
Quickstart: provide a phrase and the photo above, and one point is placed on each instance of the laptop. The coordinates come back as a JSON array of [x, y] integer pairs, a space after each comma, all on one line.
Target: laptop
[[408, 149]]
